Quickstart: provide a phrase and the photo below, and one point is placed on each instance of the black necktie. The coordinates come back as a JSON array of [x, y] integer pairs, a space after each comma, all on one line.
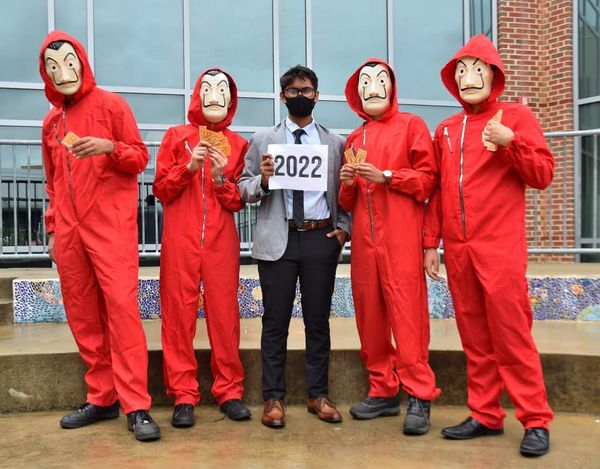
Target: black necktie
[[298, 196]]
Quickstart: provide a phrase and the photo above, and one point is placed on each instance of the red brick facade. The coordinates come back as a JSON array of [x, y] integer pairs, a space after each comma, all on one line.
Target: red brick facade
[[535, 40]]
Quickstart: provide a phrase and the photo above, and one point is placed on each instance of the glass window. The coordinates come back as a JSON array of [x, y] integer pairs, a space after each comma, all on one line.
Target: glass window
[[156, 108], [139, 48], [23, 104], [235, 36], [20, 133], [336, 115], [590, 163], [481, 17], [589, 49], [345, 34], [254, 112], [425, 39], [23, 27], [292, 35], [432, 115], [71, 16]]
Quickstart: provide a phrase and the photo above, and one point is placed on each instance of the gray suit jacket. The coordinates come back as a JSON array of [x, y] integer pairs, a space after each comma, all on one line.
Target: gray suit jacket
[[271, 233]]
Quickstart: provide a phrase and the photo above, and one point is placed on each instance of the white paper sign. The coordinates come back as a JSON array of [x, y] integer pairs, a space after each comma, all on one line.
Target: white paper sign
[[301, 167]]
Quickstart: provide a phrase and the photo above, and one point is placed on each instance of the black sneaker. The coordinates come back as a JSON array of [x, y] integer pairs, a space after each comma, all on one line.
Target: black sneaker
[[373, 407], [89, 413], [536, 442], [235, 409], [143, 427], [183, 416], [416, 421]]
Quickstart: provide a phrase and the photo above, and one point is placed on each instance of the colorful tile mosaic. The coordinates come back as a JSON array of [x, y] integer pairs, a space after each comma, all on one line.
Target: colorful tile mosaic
[[551, 298]]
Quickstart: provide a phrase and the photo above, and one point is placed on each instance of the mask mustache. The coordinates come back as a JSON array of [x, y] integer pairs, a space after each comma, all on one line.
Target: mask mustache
[[472, 88]]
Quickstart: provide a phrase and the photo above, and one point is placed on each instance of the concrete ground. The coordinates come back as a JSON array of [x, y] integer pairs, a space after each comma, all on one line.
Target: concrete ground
[[34, 440]]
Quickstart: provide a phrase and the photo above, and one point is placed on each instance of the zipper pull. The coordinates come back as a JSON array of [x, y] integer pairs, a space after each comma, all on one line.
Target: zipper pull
[[447, 135]]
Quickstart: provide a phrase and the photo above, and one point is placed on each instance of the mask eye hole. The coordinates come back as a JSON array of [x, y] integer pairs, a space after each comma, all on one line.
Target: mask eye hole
[[53, 68], [479, 70]]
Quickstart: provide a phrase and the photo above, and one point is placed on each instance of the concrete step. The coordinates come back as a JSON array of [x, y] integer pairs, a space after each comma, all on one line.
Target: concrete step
[[35, 440], [41, 369], [6, 311]]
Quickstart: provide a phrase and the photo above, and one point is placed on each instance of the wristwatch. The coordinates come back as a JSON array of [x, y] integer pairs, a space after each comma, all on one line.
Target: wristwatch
[[387, 177], [220, 180]]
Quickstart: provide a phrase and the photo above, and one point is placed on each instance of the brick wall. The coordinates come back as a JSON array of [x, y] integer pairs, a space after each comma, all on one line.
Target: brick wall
[[535, 40]]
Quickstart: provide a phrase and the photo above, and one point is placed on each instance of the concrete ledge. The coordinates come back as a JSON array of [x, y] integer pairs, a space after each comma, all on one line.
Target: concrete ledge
[[41, 369]]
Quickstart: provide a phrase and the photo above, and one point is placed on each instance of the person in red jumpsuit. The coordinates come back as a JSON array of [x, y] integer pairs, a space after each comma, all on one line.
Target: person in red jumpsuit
[[197, 184], [386, 195], [92, 154], [487, 155]]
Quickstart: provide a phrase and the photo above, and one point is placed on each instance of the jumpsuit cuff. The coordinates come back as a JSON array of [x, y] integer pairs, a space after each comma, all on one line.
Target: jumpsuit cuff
[[510, 153], [431, 242], [116, 153]]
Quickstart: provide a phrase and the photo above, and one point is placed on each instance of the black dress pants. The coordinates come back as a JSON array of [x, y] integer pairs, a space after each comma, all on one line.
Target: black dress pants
[[312, 258]]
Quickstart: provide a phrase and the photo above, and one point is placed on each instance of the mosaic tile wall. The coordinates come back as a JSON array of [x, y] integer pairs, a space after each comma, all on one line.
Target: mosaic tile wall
[[551, 298]]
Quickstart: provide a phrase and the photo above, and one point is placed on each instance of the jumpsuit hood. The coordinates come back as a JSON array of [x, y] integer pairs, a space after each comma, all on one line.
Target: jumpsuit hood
[[353, 97], [482, 48], [195, 115], [88, 83]]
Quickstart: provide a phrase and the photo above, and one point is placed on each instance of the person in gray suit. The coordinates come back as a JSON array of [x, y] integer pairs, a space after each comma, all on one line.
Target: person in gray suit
[[298, 235]]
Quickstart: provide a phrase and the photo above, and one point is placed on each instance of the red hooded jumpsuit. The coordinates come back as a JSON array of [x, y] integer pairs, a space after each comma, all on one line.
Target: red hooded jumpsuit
[[93, 215], [388, 282], [200, 243], [479, 211]]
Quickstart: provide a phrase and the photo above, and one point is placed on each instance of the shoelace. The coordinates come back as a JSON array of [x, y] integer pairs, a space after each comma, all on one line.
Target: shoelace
[[143, 416], [416, 404], [84, 407]]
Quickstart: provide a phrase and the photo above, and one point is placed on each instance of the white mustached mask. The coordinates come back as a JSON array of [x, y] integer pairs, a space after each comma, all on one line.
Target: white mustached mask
[[215, 95], [375, 89], [64, 69], [474, 78]]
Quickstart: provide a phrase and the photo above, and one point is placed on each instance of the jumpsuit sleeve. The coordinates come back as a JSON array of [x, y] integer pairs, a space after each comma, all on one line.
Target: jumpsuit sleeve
[[49, 170], [528, 153], [419, 180], [344, 221], [347, 194], [432, 224], [171, 177], [228, 193], [249, 184], [130, 154]]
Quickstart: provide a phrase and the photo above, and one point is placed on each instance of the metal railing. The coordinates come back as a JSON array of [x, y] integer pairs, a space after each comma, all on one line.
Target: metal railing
[[563, 219]]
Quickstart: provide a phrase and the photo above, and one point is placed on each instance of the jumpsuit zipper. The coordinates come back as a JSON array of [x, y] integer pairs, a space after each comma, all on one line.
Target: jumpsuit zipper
[[69, 182], [369, 202], [460, 178], [203, 232]]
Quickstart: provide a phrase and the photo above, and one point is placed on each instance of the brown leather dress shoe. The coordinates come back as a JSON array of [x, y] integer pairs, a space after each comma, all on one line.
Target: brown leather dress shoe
[[324, 409], [273, 414]]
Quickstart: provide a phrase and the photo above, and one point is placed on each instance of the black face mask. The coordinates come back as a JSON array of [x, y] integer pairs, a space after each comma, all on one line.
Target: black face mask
[[299, 106]]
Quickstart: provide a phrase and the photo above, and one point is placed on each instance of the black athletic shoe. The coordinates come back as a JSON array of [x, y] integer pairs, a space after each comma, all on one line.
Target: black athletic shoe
[[143, 427], [468, 429], [536, 442], [416, 421], [235, 409], [373, 407], [183, 416], [88, 414]]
